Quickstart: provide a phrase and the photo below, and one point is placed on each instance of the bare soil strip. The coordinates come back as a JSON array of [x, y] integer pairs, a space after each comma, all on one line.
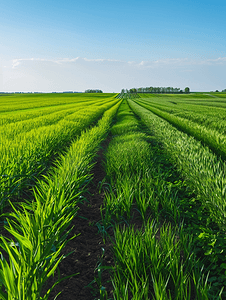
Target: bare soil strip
[[86, 248]]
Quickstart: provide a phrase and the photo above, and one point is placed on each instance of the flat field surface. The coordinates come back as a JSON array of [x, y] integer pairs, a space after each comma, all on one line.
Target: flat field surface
[[18, 102], [128, 193], [187, 102]]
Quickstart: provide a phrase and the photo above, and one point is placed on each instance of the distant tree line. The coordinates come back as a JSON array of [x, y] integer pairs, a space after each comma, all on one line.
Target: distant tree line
[[93, 91], [157, 90]]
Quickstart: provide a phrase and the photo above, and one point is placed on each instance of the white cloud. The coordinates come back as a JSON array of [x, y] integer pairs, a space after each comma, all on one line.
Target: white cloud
[[147, 64], [220, 60], [78, 74], [17, 62]]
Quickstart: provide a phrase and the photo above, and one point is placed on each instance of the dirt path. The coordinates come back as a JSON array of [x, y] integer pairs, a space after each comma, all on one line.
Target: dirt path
[[87, 247]]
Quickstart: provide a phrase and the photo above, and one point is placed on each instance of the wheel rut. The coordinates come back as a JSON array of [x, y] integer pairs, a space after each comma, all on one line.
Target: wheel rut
[[88, 249]]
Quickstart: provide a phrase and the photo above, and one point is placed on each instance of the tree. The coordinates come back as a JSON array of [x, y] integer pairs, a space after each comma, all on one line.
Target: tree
[[156, 90], [133, 91], [168, 90], [93, 91]]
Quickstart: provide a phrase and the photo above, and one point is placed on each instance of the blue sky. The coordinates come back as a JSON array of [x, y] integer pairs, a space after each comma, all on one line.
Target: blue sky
[[75, 45]]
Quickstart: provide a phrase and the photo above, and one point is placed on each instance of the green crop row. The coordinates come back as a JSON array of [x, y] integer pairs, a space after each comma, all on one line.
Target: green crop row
[[215, 140], [11, 131], [213, 118], [26, 114], [14, 117], [40, 228], [201, 168], [11, 119], [28, 154], [24, 102], [193, 102], [217, 122], [152, 260]]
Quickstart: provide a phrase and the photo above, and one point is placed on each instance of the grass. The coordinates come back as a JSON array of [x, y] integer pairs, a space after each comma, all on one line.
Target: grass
[[203, 174], [164, 193], [211, 137], [40, 228], [155, 260], [24, 102], [157, 268], [202, 169], [27, 155]]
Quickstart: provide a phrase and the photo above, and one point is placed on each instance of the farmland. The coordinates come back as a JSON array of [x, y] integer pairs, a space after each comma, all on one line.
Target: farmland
[[107, 196]]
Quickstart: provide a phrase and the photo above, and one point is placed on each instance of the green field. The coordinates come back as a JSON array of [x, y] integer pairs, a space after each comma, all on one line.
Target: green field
[[162, 195]]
